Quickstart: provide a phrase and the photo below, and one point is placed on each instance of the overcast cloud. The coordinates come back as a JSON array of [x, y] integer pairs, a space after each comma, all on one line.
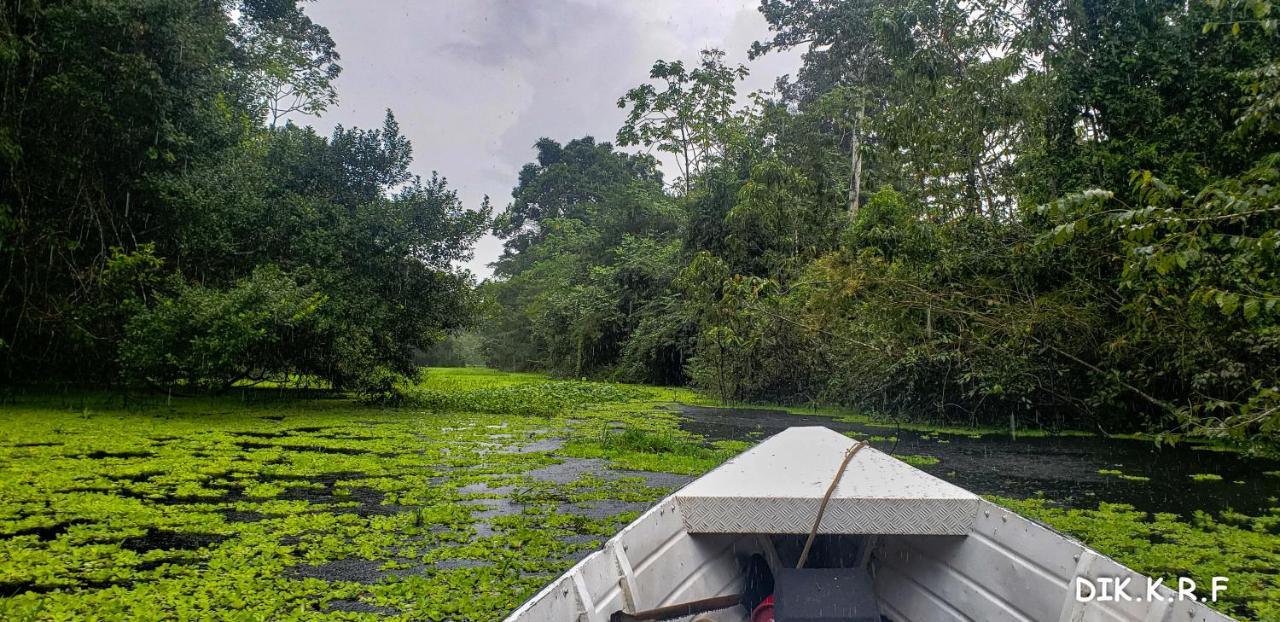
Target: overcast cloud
[[475, 83]]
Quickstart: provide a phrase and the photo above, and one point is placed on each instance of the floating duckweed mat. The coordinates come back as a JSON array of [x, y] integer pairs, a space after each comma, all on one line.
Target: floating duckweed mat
[[265, 506], [456, 508]]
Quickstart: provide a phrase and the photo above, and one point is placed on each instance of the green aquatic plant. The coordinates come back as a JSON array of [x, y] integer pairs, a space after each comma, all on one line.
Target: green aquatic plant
[[646, 450], [260, 506], [238, 508], [919, 460], [545, 399], [1205, 477], [1123, 475]]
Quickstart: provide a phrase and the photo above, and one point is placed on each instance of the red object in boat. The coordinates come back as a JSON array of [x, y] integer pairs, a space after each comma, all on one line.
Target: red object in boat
[[764, 611]]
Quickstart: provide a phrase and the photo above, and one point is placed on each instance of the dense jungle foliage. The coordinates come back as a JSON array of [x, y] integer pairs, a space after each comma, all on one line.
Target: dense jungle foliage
[[1060, 213], [159, 225]]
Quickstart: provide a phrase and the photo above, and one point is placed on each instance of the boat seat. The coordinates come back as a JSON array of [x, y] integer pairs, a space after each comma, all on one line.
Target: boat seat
[[824, 595]]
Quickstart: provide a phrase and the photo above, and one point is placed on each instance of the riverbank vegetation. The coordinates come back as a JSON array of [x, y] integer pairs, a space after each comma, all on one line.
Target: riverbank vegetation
[[161, 224], [972, 214], [1059, 217]]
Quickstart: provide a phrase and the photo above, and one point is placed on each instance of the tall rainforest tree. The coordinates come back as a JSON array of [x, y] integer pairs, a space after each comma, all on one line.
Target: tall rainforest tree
[[589, 245], [292, 61], [844, 67], [689, 115], [929, 94]]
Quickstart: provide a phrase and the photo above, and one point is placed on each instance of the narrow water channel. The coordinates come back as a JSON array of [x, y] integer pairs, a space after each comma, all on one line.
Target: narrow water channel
[[1075, 471]]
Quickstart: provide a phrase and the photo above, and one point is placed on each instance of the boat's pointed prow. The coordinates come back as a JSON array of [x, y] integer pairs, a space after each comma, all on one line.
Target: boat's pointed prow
[[777, 486], [931, 550]]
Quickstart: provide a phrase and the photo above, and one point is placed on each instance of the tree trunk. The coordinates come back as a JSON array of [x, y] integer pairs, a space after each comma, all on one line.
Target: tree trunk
[[971, 187], [855, 162]]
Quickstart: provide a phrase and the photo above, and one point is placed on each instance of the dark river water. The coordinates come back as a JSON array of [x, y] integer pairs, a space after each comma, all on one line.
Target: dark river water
[[1063, 469]]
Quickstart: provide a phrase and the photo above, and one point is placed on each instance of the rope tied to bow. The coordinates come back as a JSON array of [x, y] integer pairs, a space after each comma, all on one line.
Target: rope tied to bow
[[822, 509]]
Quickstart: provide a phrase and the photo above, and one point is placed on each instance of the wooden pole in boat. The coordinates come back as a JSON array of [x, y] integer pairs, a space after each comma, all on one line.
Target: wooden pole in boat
[[681, 610], [759, 585], [822, 508]]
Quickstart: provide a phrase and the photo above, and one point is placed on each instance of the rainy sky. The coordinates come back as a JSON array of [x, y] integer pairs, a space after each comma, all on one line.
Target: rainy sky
[[475, 83]]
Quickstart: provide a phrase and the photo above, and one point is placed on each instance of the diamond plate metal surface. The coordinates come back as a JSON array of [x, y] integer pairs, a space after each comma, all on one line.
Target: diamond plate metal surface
[[778, 486], [860, 516]]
